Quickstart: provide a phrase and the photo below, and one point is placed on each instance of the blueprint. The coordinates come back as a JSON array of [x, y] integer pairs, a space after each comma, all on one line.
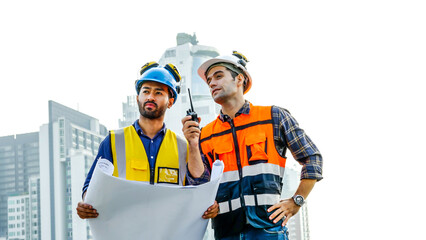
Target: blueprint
[[131, 210]]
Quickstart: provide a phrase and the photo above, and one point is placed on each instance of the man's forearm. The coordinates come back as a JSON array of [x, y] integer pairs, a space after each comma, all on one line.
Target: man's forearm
[[195, 163], [305, 187]]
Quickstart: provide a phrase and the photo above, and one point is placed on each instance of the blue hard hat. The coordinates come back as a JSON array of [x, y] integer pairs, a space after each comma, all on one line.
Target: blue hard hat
[[167, 75]]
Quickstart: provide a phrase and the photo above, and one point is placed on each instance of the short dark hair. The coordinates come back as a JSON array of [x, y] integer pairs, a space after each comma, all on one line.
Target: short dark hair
[[233, 73]]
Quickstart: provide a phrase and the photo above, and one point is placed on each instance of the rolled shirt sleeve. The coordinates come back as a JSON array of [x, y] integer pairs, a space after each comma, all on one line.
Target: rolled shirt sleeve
[[302, 148], [205, 177]]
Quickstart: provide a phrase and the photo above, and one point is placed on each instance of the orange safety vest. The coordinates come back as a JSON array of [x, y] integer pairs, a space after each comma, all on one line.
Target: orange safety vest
[[252, 178]]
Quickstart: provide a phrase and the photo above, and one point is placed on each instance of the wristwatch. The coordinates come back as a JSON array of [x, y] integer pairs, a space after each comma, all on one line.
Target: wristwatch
[[299, 200]]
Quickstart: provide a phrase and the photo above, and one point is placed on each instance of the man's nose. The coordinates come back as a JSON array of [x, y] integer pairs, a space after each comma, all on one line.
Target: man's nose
[[212, 83], [150, 97]]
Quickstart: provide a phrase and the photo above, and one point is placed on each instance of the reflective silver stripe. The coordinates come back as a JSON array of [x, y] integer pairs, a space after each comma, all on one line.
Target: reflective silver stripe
[[263, 168], [253, 170], [120, 151], [224, 206], [262, 199], [183, 153], [230, 176], [235, 204]]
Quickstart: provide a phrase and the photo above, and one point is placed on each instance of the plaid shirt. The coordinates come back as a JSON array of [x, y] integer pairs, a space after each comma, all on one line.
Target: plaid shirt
[[287, 134]]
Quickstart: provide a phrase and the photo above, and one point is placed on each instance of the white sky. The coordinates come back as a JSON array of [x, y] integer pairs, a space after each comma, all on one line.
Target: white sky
[[351, 72]]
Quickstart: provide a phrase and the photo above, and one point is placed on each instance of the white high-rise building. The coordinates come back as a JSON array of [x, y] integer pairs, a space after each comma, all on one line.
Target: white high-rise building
[[68, 146], [23, 213], [34, 230], [19, 161], [17, 217]]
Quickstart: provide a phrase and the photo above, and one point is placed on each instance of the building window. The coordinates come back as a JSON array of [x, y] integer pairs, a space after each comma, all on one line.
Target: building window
[[170, 53]]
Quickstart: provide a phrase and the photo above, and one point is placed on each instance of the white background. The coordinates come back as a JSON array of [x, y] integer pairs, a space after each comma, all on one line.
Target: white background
[[351, 72]]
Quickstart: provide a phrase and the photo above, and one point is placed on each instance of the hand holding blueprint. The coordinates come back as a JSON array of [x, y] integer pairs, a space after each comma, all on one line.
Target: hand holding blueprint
[[131, 210]]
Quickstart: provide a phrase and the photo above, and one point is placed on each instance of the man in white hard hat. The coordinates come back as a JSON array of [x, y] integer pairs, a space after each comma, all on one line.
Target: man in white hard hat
[[252, 142]]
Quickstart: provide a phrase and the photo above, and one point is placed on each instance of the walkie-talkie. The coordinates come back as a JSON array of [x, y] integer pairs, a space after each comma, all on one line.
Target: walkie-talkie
[[191, 112]]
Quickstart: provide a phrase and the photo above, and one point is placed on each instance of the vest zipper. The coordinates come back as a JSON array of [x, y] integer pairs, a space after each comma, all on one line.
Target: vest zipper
[[151, 177], [238, 157], [152, 170], [237, 148]]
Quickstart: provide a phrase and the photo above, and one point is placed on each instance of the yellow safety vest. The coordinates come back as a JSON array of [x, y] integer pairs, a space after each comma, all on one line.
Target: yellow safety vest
[[131, 161]]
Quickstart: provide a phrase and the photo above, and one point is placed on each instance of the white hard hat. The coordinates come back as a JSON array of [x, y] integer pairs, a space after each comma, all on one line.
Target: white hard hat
[[237, 60]]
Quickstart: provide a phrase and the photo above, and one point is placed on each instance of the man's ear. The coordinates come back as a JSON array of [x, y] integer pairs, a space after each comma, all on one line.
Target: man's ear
[[240, 79], [170, 103]]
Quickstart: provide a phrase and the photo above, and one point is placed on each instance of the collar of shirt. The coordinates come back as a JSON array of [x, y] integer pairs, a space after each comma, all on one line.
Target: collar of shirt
[[140, 132], [245, 109]]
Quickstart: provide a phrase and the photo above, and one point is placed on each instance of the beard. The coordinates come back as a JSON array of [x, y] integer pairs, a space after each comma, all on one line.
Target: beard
[[152, 114]]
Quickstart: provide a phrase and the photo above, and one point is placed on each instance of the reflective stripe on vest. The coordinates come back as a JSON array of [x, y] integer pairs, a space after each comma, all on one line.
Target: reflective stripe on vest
[[131, 161], [250, 200], [252, 170]]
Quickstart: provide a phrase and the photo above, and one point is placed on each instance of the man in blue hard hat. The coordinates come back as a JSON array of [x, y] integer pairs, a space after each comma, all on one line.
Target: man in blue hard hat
[[156, 154]]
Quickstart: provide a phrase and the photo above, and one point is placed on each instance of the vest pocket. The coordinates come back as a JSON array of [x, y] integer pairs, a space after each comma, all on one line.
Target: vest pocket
[[224, 151], [138, 164], [138, 170], [168, 175], [256, 148]]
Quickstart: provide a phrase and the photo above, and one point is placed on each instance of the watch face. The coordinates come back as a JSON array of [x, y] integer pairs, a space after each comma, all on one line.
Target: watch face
[[299, 200]]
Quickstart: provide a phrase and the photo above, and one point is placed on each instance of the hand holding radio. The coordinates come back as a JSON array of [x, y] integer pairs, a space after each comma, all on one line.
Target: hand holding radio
[[191, 112], [191, 130]]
